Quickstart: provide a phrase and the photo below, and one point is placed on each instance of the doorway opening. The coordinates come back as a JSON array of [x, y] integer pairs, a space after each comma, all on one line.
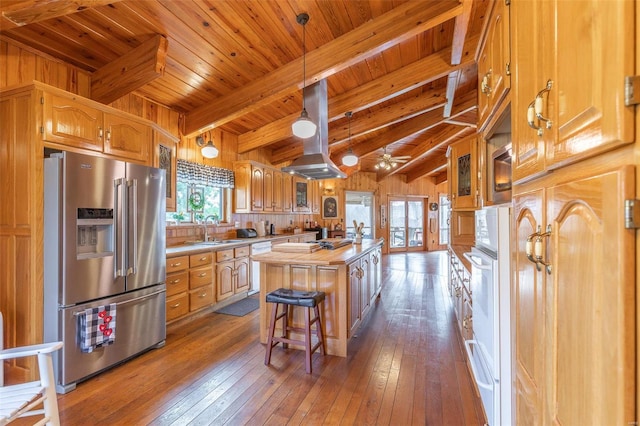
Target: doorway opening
[[406, 224], [359, 207]]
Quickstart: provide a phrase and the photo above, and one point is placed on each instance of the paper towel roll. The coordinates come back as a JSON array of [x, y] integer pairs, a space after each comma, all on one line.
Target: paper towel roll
[[260, 229]]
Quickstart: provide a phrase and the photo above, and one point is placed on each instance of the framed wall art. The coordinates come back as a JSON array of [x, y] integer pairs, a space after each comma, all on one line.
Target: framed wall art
[[330, 206]]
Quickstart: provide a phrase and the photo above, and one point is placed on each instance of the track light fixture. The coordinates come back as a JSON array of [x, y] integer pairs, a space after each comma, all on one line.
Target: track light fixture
[[303, 127]]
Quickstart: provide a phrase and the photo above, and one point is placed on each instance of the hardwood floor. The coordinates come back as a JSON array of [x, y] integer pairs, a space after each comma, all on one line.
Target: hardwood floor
[[405, 366]]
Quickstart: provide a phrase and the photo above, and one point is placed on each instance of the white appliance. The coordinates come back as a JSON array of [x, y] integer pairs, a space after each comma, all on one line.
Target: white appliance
[[257, 248], [490, 351]]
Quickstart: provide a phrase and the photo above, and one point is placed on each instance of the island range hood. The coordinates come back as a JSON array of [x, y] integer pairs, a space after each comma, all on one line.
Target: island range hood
[[315, 162]]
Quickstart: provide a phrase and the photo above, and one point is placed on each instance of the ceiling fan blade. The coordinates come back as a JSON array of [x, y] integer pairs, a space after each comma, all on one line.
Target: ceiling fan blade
[[402, 157]]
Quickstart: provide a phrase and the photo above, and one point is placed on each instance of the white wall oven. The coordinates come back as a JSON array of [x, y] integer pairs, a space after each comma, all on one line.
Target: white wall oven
[[489, 350]]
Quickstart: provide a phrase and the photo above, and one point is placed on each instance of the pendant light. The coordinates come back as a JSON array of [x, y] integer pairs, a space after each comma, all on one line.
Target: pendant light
[[208, 150], [303, 127], [350, 158]]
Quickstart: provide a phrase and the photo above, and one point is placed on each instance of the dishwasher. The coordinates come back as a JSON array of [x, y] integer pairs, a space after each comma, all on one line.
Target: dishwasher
[[257, 248]]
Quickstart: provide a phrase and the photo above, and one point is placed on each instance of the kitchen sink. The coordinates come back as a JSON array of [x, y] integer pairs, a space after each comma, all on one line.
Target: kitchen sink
[[210, 243]]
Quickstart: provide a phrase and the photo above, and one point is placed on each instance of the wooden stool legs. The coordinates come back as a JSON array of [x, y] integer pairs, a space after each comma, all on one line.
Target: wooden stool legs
[[286, 328]]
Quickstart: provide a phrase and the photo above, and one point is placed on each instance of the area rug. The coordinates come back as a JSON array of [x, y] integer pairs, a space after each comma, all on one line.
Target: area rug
[[241, 307]]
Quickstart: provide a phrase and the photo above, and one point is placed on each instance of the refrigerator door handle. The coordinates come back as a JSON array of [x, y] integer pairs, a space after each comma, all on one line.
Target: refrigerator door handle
[[119, 206], [132, 227]]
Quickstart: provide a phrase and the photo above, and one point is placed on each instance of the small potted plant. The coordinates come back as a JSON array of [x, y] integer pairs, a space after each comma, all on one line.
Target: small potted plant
[[179, 217]]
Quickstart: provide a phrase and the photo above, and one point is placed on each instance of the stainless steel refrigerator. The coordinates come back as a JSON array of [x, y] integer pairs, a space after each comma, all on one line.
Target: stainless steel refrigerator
[[104, 251]]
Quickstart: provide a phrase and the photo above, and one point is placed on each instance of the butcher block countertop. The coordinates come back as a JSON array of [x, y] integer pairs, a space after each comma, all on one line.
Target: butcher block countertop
[[339, 256]]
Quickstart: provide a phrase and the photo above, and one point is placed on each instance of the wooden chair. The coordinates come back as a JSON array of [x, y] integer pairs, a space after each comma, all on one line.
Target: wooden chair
[[20, 400]]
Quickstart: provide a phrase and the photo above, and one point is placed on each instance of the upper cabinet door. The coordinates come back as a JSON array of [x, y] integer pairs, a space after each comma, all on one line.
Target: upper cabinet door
[[570, 60], [257, 188], [72, 123], [464, 174], [531, 31], [126, 138], [164, 157], [494, 63], [594, 53]]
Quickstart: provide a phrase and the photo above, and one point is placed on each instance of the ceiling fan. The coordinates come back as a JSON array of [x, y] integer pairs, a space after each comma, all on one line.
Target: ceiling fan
[[388, 162]]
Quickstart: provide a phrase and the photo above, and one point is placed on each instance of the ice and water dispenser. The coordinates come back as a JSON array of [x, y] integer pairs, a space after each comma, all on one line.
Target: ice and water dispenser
[[94, 233]]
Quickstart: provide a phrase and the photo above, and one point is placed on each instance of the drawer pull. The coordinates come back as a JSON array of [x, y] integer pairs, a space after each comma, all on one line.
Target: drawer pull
[[203, 295], [176, 264], [175, 306], [202, 274], [176, 281], [202, 259]]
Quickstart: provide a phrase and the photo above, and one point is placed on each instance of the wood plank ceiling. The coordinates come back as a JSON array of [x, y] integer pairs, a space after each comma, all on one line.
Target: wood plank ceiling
[[406, 69]]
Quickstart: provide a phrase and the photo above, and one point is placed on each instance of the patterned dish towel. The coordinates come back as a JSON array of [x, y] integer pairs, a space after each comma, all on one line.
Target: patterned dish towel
[[97, 327]]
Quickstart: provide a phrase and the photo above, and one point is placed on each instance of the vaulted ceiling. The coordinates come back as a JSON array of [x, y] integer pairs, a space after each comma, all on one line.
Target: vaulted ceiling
[[406, 69]]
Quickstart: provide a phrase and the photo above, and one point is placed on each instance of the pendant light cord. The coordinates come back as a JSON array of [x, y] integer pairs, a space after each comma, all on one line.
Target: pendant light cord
[[304, 64]]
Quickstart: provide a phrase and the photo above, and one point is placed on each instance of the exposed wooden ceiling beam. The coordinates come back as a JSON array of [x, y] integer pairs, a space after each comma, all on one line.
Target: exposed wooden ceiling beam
[[438, 141], [441, 176], [130, 72], [393, 84], [438, 161], [407, 128], [457, 48], [19, 13], [379, 119], [371, 38]]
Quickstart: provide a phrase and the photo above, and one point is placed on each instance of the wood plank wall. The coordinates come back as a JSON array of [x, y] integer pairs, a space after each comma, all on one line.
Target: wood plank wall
[[20, 65]]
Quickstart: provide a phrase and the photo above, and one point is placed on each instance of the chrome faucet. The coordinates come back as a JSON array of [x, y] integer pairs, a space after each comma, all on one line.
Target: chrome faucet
[[214, 220]]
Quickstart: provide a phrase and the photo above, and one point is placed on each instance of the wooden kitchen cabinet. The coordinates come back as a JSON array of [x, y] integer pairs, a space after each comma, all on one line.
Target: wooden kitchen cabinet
[[574, 311], [177, 303], [301, 201], [164, 157], [287, 192], [268, 192], [70, 120], [575, 359], [260, 188], [460, 291], [232, 272], [360, 291], [126, 138], [201, 281], [575, 73], [494, 63], [73, 123], [464, 174]]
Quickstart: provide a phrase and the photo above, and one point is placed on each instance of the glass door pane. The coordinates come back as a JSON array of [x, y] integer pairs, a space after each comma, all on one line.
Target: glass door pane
[[415, 210], [397, 224], [359, 207]]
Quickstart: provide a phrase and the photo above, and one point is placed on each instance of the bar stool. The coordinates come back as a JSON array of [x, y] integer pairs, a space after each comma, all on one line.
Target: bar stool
[[306, 299]]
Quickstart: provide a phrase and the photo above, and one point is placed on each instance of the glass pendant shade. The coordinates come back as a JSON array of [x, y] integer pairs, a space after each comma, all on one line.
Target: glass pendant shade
[[303, 127], [350, 159], [209, 150]]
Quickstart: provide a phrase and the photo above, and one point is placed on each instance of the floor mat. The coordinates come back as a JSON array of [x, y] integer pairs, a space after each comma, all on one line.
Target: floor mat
[[241, 307]]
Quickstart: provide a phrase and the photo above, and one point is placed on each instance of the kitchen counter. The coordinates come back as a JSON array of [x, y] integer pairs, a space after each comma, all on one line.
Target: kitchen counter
[[199, 248], [350, 276], [339, 256]]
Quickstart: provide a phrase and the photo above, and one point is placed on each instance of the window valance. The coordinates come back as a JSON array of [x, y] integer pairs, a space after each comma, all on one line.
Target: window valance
[[199, 174]]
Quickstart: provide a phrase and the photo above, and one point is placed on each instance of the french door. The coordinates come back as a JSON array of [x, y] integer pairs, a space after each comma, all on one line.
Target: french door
[[406, 224]]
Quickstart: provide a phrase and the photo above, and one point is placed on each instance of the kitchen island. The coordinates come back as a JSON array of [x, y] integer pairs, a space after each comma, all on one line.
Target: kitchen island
[[350, 276]]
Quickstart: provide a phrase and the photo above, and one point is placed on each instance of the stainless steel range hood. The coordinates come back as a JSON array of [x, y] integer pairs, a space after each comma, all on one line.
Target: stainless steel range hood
[[315, 162]]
